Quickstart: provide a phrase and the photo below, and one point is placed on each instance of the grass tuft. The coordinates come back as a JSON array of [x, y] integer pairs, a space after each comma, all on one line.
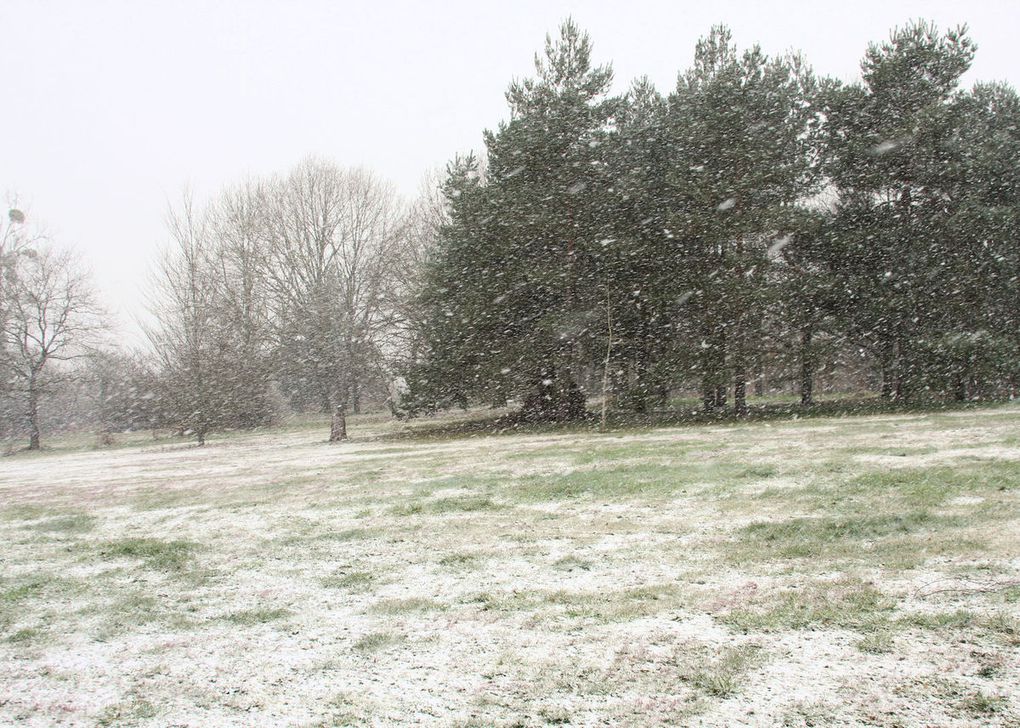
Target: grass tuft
[[377, 640], [252, 617], [156, 554]]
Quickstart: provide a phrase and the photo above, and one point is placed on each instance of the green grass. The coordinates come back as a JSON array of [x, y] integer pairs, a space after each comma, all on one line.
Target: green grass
[[637, 479], [720, 675], [155, 554], [572, 563], [876, 643], [354, 581], [584, 561], [392, 607], [934, 485], [844, 604], [23, 595], [940, 620], [25, 589], [349, 534], [377, 640], [127, 712], [74, 524], [600, 606], [254, 617], [460, 504], [27, 635], [461, 560], [984, 705], [829, 537]]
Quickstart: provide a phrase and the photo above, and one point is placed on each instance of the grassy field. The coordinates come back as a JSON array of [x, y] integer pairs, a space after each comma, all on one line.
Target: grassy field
[[840, 571]]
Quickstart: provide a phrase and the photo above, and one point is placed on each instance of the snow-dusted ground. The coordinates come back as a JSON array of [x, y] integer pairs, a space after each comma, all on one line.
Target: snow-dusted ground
[[859, 571]]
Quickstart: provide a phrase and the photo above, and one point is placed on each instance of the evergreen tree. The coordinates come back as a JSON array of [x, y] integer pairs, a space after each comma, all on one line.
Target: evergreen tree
[[742, 146], [893, 160], [523, 316]]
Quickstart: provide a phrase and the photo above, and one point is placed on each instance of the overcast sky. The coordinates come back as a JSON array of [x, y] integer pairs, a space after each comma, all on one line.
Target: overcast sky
[[111, 108]]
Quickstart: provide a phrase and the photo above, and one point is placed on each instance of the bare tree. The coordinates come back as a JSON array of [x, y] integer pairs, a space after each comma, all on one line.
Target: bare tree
[[52, 317], [240, 259], [332, 236], [185, 336], [419, 237]]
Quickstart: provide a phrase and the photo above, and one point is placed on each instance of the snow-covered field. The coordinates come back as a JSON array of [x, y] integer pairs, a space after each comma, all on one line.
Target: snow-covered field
[[858, 571]]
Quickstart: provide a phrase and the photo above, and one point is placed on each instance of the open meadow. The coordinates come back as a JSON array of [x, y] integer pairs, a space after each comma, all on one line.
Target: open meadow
[[825, 571]]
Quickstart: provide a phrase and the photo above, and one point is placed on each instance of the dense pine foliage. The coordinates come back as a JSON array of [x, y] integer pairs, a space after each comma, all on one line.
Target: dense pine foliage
[[757, 225]]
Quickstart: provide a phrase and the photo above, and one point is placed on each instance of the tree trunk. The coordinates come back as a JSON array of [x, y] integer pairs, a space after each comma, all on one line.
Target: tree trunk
[[961, 387], [708, 395], [638, 394], [34, 434], [200, 435], [903, 375], [807, 366], [739, 348], [740, 391], [605, 366], [32, 415], [759, 380], [499, 398], [105, 438], [338, 426], [356, 397], [888, 369], [555, 398], [713, 371]]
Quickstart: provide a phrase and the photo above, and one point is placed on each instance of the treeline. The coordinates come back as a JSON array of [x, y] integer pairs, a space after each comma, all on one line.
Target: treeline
[[757, 228], [283, 294], [759, 225]]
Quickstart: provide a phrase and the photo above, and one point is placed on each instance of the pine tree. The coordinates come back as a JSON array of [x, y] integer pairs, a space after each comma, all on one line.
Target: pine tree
[[742, 155], [522, 316], [893, 162]]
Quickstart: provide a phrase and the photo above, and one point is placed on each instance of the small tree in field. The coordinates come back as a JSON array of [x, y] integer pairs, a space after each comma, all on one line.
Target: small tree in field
[[189, 348], [52, 317]]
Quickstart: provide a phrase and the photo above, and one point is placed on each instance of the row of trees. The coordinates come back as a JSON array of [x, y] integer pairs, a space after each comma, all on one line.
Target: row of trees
[[292, 283], [286, 293], [757, 226], [757, 223]]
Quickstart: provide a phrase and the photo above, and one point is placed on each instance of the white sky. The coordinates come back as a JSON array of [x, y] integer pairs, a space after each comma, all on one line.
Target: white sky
[[111, 108]]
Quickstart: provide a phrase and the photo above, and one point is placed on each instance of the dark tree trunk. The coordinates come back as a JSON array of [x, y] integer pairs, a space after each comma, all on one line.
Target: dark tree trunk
[[740, 391], [902, 376], [338, 426], [713, 358], [200, 435], [555, 398], [739, 348], [105, 438], [960, 393], [499, 400], [708, 395], [34, 435], [888, 369], [887, 385], [759, 380], [642, 386], [807, 366]]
